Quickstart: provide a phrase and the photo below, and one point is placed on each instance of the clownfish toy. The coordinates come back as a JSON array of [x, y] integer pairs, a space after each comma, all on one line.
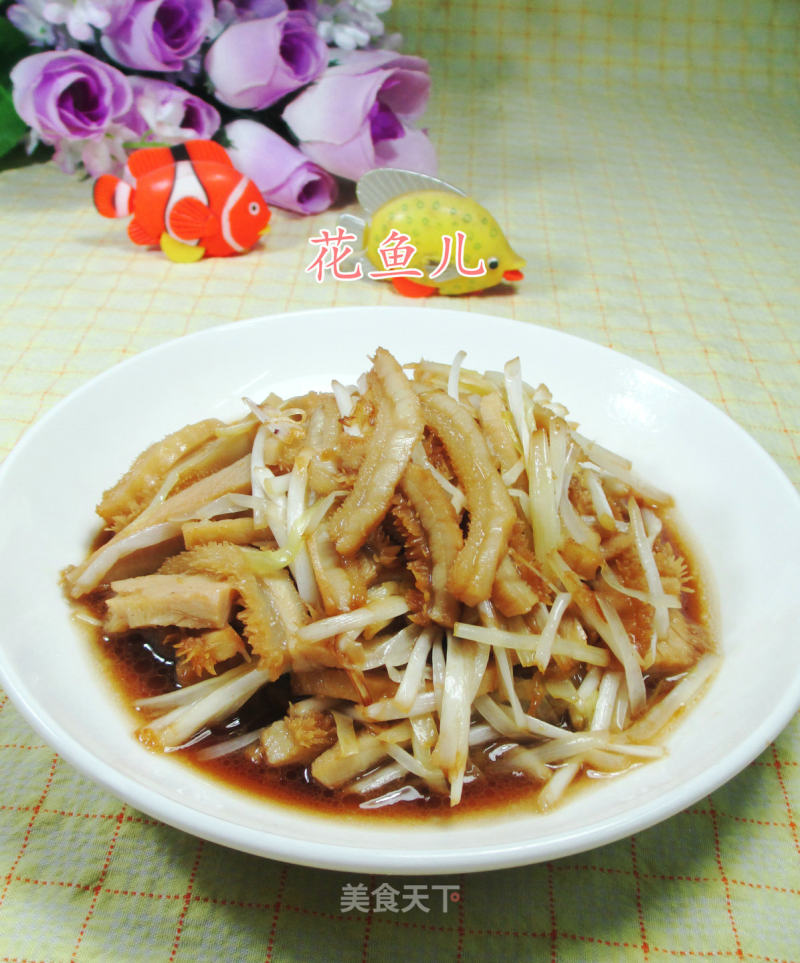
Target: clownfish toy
[[427, 236], [189, 199]]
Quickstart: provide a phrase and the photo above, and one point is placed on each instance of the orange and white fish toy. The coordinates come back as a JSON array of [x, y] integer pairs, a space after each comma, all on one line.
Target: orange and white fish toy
[[188, 199]]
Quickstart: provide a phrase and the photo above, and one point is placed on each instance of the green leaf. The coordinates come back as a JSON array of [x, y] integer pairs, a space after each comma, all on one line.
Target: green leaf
[[12, 128], [14, 45]]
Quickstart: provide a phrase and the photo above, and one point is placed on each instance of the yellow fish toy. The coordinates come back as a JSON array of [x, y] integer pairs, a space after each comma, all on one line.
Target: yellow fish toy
[[427, 237]]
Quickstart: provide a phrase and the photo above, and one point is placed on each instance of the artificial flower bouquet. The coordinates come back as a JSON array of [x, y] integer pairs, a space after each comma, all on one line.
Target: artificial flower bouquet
[[301, 93]]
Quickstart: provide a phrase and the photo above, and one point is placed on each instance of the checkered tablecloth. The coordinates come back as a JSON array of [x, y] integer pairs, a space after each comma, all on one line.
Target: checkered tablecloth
[[644, 157]]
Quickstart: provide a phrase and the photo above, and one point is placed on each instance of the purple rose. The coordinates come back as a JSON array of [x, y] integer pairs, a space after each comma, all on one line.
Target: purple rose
[[285, 176], [159, 34], [359, 114], [254, 63], [237, 11], [67, 93], [234, 11], [169, 114]]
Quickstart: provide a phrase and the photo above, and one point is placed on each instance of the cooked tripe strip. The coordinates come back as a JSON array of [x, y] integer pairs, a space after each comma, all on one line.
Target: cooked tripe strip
[[492, 414], [296, 739], [201, 654], [397, 429], [272, 612], [339, 684], [328, 441], [123, 502], [511, 593], [333, 768], [685, 643], [233, 478], [189, 601], [90, 573], [240, 531], [491, 511], [438, 518], [337, 588]]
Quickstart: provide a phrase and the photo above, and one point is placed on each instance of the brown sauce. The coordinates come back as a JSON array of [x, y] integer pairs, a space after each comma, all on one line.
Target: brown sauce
[[140, 664]]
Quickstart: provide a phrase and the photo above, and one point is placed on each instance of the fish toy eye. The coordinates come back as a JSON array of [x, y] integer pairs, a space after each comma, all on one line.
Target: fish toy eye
[[255, 207], [492, 263]]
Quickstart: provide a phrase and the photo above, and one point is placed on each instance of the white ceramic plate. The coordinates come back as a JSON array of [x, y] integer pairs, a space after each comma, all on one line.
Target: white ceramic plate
[[743, 513]]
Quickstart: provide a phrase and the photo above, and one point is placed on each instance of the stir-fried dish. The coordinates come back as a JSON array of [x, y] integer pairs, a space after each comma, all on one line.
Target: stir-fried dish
[[435, 576]]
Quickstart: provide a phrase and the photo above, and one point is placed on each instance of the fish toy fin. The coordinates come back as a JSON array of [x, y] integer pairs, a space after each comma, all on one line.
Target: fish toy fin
[[139, 235], [191, 219], [180, 253], [148, 159], [207, 150], [378, 186], [112, 196], [413, 289]]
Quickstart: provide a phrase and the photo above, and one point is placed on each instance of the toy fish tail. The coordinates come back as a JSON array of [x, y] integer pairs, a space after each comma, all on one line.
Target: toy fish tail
[[112, 196]]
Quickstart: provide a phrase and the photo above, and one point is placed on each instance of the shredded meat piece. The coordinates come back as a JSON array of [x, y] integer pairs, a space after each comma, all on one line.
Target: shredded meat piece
[[322, 427], [333, 578], [672, 566], [398, 427], [580, 496], [582, 595], [333, 768], [497, 432], [231, 443], [637, 617], [436, 454], [134, 491], [627, 566], [614, 545], [511, 593], [520, 548], [491, 512], [188, 601], [201, 654], [328, 468], [581, 559], [362, 572], [311, 729], [384, 553], [338, 684], [240, 531], [442, 539], [343, 582], [296, 739], [685, 642], [234, 478], [406, 526], [271, 610], [281, 451]]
